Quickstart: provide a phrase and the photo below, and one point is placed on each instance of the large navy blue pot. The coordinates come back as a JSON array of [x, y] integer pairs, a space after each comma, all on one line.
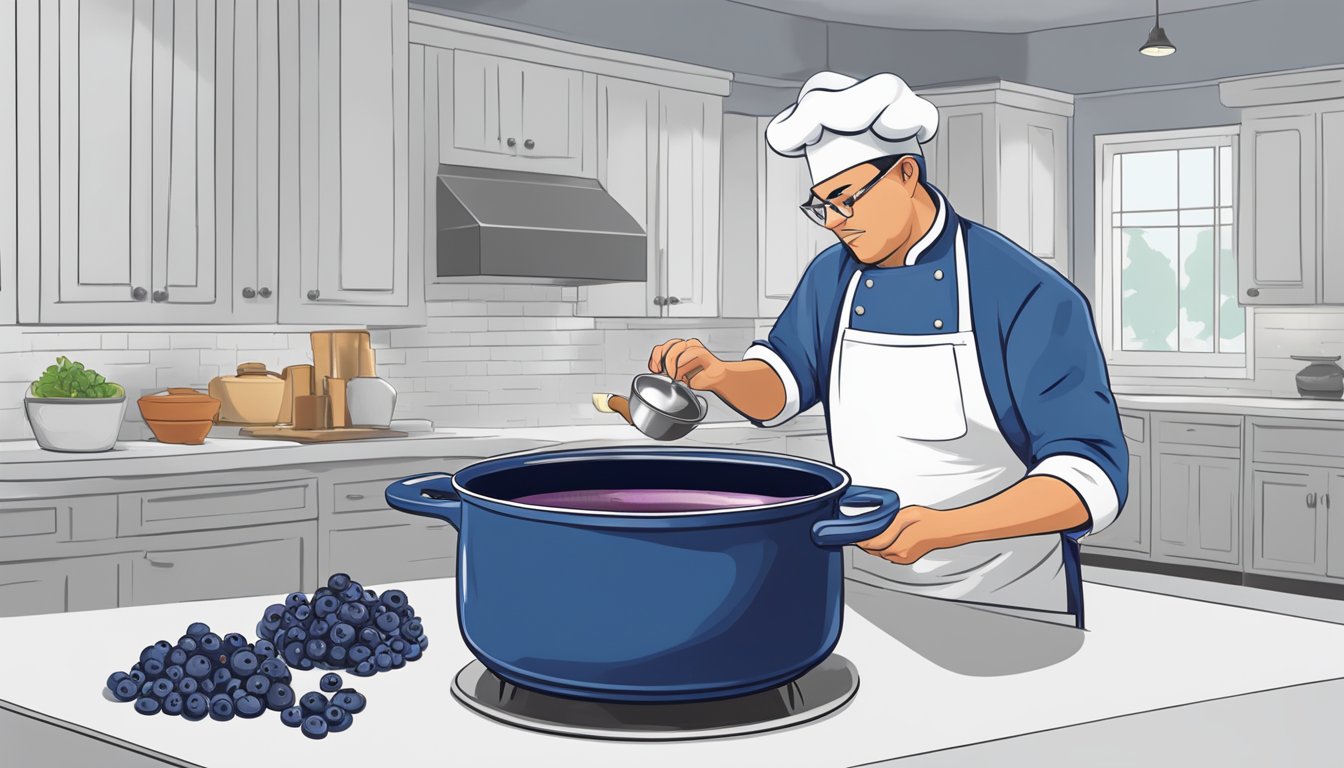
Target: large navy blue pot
[[649, 607]]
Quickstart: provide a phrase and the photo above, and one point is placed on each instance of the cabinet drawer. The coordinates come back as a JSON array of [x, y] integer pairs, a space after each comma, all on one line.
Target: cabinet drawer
[[54, 586], [1199, 433], [1133, 427], [215, 507], [381, 554], [1309, 443], [270, 566], [364, 496], [31, 529]]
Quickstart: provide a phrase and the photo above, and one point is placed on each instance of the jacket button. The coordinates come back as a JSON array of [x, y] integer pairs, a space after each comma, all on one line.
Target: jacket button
[[868, 282], [937, 274], [937, 323], [858, 310]]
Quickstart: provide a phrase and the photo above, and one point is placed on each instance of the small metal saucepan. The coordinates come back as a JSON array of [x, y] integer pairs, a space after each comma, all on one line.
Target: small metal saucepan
[[659, 407]]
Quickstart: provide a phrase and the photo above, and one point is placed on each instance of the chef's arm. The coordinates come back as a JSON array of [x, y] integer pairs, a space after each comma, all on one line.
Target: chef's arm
[[1036, 504], [752, 388]]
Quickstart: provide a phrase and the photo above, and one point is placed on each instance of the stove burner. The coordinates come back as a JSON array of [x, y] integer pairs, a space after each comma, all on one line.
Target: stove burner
[[824, 689]]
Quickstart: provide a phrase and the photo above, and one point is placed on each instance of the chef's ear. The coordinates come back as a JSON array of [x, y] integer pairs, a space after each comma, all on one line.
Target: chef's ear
[[908, 168]]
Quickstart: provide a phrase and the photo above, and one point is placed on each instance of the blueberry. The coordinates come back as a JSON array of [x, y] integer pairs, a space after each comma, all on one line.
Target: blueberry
[[264, 649], [187, 685], [389, 622], [249, 706], [313, 702], [258, 685], [330, 682], [234, 642], [325, 606], [210, 643], [273, 612], [172, 704], [397, 645], [304, 613], [221, 707], [398, 661], [412, 626], [238, 693], [345, 723], [196, 706], [369, 597], [319, 628], [305, 664], [243, 662], [174, 673], [188, 644], [314, 727], [147, 705], [153, 668], [383, 660], [198, 630], [370, 636], [125, 689], [267, 628], [364, 669], [316, 649], [359, 653], [379, 610], [341, 633], [206, 686], [136, 674], [338, 582], [234, 684], [279, 640], [177, 656], [353, 613], [412, 651], [275, 669], [152, 652], [147, 688], [382, 648], [280, 696], [296, 635], [353, 591], [161, 687], [394, 599], [333, 714], [321, 592], [336, 654], [114, 678], [221, 676], [289, 621], [350, 700], [296, 599], [197, 666], [423, 641], [292, 716], [294, 654]]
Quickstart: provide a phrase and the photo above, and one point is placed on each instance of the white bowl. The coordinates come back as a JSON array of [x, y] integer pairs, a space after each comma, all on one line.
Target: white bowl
[[75, 424]]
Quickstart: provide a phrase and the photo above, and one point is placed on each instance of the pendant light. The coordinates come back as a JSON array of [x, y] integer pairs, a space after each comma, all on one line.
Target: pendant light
[[1158, 44]]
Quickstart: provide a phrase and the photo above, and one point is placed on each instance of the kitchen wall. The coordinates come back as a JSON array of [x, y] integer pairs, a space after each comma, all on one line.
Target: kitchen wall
[[490, 356]]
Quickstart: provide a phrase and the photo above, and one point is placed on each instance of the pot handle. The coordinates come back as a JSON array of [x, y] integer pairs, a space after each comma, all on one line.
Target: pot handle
[[839, 531], [431, 495]]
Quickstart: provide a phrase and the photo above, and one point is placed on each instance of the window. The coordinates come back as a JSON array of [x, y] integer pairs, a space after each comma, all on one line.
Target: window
[[1166, 230]]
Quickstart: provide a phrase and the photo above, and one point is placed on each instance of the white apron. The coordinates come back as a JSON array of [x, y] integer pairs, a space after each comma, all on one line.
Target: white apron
[[910, 413]]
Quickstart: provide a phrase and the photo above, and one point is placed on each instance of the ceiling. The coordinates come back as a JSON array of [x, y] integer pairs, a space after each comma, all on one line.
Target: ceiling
[[978, 15]]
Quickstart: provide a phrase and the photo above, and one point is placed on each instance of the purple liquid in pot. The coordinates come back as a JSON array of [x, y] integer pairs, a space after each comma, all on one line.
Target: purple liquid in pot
[[649, 500]]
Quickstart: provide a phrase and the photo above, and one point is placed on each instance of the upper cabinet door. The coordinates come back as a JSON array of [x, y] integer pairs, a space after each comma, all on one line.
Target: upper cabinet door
[[497, 112], [789, 240], [1276, 242], [1033, 178], [356, 271], [688, 172], [1332, 200], [128, 218]]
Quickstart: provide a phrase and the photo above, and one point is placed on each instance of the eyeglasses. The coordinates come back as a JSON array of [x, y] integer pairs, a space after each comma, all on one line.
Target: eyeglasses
[[816, 211]]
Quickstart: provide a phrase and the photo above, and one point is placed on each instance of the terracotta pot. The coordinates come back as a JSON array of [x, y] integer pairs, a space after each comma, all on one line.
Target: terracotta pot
[[180, 415]]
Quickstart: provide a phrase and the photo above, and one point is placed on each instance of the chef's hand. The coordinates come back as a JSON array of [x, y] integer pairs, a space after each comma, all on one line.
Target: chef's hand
[[689, 361], [914, 533]]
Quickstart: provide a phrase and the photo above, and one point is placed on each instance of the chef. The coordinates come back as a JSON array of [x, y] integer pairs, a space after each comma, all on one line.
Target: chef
[[954, 367]]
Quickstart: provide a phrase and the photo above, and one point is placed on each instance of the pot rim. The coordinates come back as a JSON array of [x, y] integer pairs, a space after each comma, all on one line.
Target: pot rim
[[678, 454]]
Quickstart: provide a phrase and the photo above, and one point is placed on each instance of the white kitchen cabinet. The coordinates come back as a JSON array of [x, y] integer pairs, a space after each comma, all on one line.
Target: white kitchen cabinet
[[788, 239], [1197, 490], [54, 586], [1332, 201], [660, 152], [1288, 520], [1276, 239], [1334, 513], [1001, 155], [1129, 533], [126, 108], [352, 206], [266, 560], [499, 112]]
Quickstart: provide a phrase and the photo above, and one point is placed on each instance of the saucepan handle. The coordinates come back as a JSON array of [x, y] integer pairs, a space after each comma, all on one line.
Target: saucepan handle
[[839, 531], [431, 495]]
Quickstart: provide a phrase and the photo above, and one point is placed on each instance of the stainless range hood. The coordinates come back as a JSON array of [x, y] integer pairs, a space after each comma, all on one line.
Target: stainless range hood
[[510, 226]]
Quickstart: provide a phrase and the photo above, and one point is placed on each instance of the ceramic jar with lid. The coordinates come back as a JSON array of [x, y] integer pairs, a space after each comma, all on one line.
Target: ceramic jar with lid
[[253, 396], [371, 401]]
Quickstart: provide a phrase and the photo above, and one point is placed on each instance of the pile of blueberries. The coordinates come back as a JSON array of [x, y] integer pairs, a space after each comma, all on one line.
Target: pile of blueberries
[[345, 626]]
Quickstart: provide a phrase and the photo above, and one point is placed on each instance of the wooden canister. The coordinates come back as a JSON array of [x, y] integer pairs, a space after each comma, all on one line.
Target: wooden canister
[[311, 411], [298, 382]]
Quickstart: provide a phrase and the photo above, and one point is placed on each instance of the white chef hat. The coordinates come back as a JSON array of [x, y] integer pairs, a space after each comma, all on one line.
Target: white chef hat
[[839, 122]]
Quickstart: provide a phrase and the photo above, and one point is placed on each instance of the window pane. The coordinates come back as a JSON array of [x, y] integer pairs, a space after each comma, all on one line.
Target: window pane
[[1116, 178], [1148, 289], [1196, 281], [1149, 181], [1200, 217], [1224, 175], [1150, 219], [1197, 178], [1232, 317]]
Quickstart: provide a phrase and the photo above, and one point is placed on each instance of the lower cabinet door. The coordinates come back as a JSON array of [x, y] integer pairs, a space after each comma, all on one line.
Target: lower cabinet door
[[55, 586], [1288, 521], [388, 552], [270, 561], [1129, 531], [1198, 507]]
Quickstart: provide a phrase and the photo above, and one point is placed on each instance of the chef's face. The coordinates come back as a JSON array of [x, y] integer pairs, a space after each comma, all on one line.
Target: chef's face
[[882, 219]]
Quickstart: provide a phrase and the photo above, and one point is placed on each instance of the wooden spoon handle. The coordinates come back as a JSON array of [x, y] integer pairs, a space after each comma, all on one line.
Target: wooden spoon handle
[[613, 404]]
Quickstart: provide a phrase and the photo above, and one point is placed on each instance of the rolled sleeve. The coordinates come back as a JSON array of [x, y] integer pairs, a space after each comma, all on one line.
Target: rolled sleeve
[[791, 402], [1062, 394]]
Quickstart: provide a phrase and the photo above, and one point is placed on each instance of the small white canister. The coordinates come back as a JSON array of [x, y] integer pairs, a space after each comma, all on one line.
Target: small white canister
[[371, 401]]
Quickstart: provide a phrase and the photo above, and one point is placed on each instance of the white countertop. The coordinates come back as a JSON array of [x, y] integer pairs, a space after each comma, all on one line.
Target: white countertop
[[933, 675], [1285, 407]]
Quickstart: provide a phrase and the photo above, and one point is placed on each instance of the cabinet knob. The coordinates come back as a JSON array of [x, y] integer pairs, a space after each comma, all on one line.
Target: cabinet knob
[[264, 293], [529, 144], [1311, 500], [314, 295], [1327, 502], [673, 300], [1252, 292], [512, 142], [659, 301], [139, 293], [160, 295], [354, 496], [248, 293]]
